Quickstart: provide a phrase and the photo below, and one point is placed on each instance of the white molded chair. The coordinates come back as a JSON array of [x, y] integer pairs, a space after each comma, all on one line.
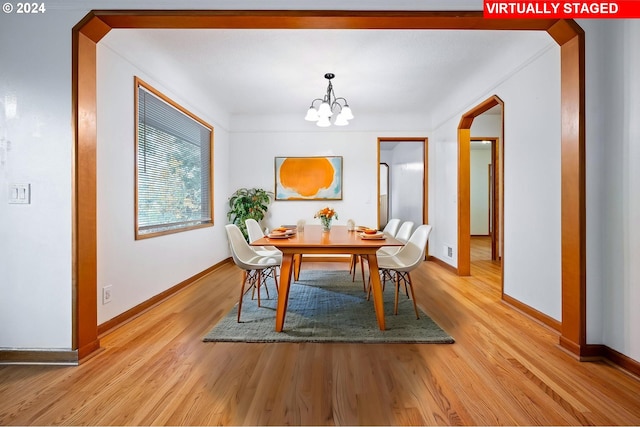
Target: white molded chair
[[408, 258], [390, 229], [256, 268], [404, 234], [255, 232]]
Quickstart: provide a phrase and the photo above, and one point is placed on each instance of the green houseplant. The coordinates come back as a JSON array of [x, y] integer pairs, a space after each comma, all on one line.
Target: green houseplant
[[248, 203]]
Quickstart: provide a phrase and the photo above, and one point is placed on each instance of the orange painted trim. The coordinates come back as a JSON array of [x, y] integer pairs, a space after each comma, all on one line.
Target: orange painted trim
[[84, 245], [573, 212], [532, 312], [442, 264]]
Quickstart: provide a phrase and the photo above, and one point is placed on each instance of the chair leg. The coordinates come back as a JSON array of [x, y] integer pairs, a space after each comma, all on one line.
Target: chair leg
[[395, 306], [258, 285], [252, 282], [244, 280], [275, 277], [413, 295], [352, 266], [267, 273], [364, 286], [387, 275]]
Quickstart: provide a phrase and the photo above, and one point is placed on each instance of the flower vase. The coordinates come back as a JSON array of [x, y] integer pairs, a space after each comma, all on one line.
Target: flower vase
[[326, 224]]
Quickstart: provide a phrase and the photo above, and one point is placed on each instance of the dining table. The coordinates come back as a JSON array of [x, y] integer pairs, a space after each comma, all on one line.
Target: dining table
[[338, 240]]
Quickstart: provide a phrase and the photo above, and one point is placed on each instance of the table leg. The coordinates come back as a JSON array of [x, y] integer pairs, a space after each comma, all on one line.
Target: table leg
[[283, 294], [376, 287], [297, 263]]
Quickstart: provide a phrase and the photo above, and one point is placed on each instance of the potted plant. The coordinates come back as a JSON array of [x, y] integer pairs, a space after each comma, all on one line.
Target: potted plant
[[248, 203]]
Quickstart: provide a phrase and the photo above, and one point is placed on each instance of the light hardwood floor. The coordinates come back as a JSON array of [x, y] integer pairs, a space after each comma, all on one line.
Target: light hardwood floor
[[503, 369]]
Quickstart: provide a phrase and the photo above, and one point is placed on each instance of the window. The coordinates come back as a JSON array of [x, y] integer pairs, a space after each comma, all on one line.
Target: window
[[173, 166]]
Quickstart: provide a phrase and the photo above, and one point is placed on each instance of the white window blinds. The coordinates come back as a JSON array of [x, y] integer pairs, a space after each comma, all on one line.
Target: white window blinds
[[173, 167]]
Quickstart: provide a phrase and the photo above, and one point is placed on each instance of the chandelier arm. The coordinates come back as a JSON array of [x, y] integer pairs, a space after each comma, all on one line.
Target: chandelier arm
[[317, 99]]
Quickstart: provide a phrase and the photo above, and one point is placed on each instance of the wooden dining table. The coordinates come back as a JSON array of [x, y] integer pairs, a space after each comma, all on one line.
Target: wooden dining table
[[313, 240]]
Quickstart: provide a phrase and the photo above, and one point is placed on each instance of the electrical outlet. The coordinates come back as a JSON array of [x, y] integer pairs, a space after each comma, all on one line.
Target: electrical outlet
[[106, 294]]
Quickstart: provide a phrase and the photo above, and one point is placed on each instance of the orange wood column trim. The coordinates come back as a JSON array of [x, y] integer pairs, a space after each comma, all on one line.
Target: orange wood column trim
[[464, 201], [84, 193], [573, 196]]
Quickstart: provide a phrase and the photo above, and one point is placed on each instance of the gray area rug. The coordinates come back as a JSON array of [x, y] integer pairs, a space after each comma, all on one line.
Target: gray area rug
[[326, 306]]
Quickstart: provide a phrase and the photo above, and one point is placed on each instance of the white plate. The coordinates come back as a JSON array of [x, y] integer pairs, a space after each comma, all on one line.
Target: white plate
[[279, 236], [377, 236]]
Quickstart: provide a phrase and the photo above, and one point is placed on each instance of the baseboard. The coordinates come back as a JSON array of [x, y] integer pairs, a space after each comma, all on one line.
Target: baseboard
[[594, 352], [88, 349], [442, 264], [532, 312], [38, 357], [619, 359], [146, 305]]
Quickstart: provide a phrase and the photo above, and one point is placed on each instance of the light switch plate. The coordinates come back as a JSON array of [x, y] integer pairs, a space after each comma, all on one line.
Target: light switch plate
[[20, 194]]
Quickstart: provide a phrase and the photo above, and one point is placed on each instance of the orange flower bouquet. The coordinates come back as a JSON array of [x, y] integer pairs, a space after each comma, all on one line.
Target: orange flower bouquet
[[326, 216]]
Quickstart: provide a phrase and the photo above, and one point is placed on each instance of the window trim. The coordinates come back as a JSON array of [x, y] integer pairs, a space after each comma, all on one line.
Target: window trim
[[138, 82]]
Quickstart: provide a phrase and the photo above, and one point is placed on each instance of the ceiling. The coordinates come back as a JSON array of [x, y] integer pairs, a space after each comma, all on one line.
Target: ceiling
[[282, 71]]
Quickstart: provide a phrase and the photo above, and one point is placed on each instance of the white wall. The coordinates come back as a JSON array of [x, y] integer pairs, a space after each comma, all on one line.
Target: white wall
[[613, 184], [479, 207], [35, 239], [487, 125], [290, 136], [629, 342], [140, 269], [531, 183]]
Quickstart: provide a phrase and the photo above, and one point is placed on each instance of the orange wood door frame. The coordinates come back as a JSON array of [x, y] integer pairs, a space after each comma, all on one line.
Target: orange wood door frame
[[464, 181], [97, 24]]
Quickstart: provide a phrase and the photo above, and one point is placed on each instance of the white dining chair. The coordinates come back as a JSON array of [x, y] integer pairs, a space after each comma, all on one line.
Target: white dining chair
[[255, 232], [403, 234], [391, 229], [256, 268], [399, 266]]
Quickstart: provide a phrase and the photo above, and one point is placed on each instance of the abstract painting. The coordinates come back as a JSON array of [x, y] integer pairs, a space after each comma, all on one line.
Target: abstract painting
[[308, 178]]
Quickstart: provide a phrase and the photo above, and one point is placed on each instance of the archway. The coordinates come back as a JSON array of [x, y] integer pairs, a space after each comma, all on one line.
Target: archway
[[464, 182], [88, 32]]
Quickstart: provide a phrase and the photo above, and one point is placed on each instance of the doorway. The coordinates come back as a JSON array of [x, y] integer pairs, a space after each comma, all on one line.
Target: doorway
[[485, 199], [486, 202], [403, 193], [88, 32], [464, 185]]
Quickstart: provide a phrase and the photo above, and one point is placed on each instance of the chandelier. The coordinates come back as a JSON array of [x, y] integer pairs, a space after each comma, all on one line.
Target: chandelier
[[328, 106]]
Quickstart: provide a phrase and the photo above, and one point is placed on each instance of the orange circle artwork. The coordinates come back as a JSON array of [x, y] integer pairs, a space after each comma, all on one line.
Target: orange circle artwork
[[306, 176]]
